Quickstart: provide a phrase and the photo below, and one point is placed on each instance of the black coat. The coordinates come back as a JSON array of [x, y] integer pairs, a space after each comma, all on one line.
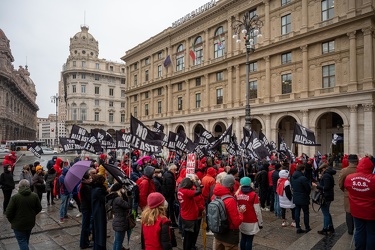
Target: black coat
[[120, 211], [275, 178], [85, 194], [327, 184], [168, 186], [262, 179], [158, 182], [99, 225], [301, 189], [6, 180]]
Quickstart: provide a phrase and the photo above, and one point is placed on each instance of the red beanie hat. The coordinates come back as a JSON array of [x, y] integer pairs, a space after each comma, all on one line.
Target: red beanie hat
[[102, 156], [155, 199]]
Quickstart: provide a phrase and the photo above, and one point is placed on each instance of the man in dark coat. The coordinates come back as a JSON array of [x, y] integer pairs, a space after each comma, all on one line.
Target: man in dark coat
[[7, 185], [262, 180], [168, 190], [301, 197], [21, 212], [51, 162]]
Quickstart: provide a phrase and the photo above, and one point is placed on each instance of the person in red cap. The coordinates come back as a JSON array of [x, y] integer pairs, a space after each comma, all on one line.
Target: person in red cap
[[156, 232]]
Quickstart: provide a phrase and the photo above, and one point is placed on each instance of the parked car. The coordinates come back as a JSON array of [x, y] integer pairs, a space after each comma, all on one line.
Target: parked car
[[48, 151]]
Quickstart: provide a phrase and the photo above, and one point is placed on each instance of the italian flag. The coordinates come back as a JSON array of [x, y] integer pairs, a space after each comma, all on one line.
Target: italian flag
[[192, 52]]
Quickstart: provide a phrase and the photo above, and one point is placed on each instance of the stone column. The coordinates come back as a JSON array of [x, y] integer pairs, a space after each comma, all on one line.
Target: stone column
[[127, 108], [139, 106], [353, 130], [152, 73], [187, 109], [168, 89], [267, 93], [345, 128], [230, 87], [206, 52], [267, 22], [368, 121], [238, 129], [351, 9], [353, 61], [368, 58], [238, 86], [187, 129], [305, 70], [305, 16], [229, 42], [267, 129], [207, 104], [151, 106]]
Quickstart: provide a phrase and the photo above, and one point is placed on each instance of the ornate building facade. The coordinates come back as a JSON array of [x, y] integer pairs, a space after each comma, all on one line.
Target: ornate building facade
[[314, 66], [18, 108], [91, 90]]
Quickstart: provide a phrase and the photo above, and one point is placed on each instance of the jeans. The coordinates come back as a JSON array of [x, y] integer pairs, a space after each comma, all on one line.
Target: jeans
[[306, 216], [119, 239], [246, 242], [64, 205], [270, 198], [283, 211], [170, 211], [277, 205], [327, 218], [85, 230], [350, 223], [23, 238], [364, 234]]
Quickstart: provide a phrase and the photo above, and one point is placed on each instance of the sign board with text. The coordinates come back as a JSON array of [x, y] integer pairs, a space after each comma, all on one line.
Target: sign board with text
[[190, 165]]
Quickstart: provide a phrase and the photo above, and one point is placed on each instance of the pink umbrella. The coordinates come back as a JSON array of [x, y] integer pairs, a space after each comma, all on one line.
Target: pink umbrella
[[75, 174], [146, 158]]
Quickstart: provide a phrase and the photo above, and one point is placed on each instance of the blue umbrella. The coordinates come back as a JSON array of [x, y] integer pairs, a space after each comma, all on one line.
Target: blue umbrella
[[75, 174]]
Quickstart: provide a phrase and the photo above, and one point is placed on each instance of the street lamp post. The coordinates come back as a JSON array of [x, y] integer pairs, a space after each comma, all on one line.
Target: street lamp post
[[249, 26], [55, 99]]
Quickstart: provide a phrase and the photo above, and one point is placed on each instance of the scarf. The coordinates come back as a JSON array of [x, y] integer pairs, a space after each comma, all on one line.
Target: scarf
[[280, 186]]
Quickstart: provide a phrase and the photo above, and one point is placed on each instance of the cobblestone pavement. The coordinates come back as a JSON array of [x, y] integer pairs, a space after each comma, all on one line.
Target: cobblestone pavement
[[49, 234]]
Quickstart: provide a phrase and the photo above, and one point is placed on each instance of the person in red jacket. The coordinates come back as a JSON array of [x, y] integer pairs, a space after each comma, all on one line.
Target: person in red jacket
[[208, 181], [146, 186], [345, 161], [156, 232], [229, 239], [58, 167], [7, 161], [252, 217], [189, 210], [361, 189]]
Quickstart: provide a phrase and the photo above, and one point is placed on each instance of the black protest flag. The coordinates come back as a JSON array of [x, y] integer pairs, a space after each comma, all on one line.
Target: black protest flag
[[158, 127], [283, 148], [260, 149], [205, 137], [35, 149], [224, 139], [123, 140], [304, 136], [68, 144], [336, 138], [79, 133], [93, 145], [105, 138], [145, 139], [172, 139]]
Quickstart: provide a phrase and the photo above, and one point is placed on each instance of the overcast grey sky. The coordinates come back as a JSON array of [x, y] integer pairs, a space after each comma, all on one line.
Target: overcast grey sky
[[41, 30]]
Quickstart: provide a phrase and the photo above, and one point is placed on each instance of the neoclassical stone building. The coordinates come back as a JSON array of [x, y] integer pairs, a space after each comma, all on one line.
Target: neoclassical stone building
[[18, 108], [91, 90], [314, 65]]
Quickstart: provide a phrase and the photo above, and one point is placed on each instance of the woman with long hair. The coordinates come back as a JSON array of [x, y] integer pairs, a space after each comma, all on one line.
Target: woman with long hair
[[155, 233]]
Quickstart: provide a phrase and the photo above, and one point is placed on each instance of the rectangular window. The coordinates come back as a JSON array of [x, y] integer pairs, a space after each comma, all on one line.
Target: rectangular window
[[146, 109], [147, 61], [146, 75], [111, 92], [219, 96], [198, 100], [253, 67], [122, 93], [110, 117], [179, 103], [123, 70], [328, 9], [180, 62], [160, 72], [286, 84], [160, 55], [159, 91], [253, 89], [135, 98], [179, 86], [110, 68], [97, 78], [74, 89], [198, 81], [328, 47], [146, 95], [83, 88], [123, 81], [96, 102], [219, 76], [111, 103], [135, 80], [83, 64], [284, 2], [97, 88], [198, 56], [135, 111], [135, 66], [122, 104], [328, 74], [74, 114], [74, 76], [74, 63], [159, 107], [122, 118], [97, 66], [96, 116], [83, 75], [286, 58], [286, 24]]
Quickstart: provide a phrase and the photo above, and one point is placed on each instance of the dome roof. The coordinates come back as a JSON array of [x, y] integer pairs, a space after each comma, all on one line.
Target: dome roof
[[83, 43]]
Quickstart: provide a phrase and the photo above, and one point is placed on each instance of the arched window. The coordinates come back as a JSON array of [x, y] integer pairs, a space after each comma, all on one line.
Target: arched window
[[74, 112], [180, 58], [83, 113], [198, 50], [219, 42]]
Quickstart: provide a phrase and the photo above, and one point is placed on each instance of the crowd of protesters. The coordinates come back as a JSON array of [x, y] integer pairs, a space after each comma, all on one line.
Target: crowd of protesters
[[165, 199]]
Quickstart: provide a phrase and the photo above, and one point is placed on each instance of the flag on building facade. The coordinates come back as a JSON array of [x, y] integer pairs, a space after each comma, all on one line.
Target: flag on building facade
[[167, 61], [192, 53]]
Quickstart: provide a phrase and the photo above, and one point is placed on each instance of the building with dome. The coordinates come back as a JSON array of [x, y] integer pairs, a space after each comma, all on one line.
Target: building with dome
[[91, 90], [314, 66], [18, 108]]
